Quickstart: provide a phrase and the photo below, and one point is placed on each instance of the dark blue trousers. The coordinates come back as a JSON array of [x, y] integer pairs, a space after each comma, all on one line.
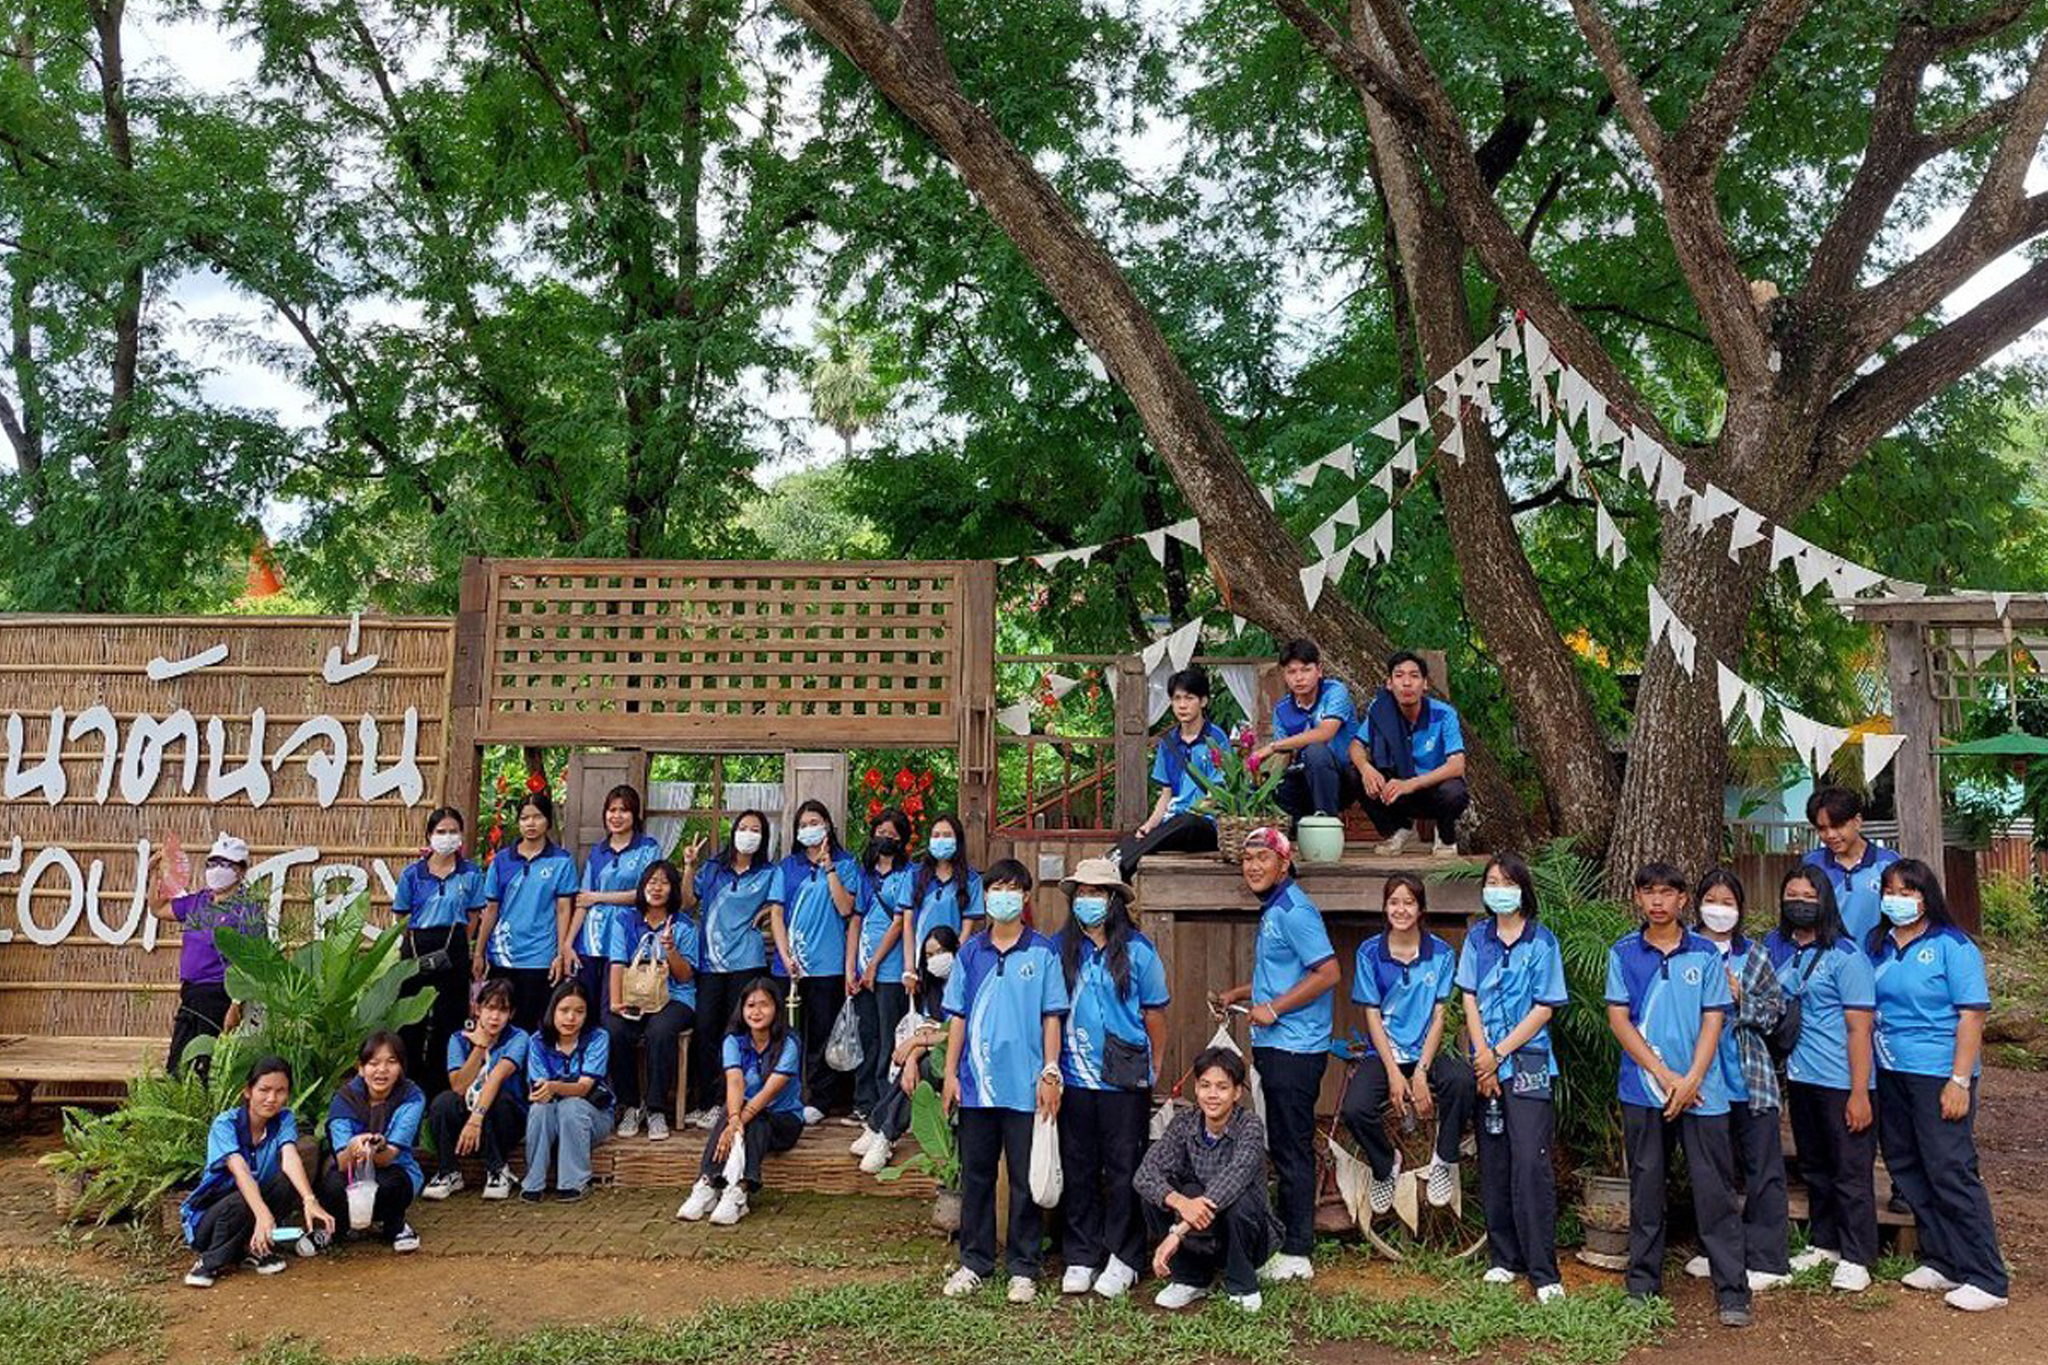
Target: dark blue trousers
[[1933, 1162]]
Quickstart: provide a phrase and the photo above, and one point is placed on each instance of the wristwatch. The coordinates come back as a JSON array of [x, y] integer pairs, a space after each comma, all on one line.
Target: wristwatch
[[1052, 1074], [1963, 1081]]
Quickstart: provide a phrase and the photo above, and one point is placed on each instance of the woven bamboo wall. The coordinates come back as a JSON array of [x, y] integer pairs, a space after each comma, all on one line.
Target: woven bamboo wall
[[87, 985]]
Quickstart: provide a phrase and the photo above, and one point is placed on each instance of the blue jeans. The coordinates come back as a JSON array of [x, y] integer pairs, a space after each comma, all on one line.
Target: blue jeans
[[565, 1130], [1319, 781]]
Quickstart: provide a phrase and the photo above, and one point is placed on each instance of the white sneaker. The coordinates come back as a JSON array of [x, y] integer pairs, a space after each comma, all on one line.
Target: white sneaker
[[1440, 849], [1549, 1293], [199, 1277], [702, 1196], [813, 1116], [1850, 1278], [629, 1123], [1971, 1299], [657, 1128], [498, 1185], [1379, 1194], [702, 1118], [1398, 842], [1928, 1279], [732, 1206], [1246, 1303], [860, 1144], [1698, 1268], [1116, 1279], [879, 1154], [1283, 1267], [1079, 1279], [961, 1283], [1177, 1296], [1442, 1182], [441, 1186], [1813, 1256], [1498, 1274], [406, 1240], [1761, 1280], [1023, 1289]]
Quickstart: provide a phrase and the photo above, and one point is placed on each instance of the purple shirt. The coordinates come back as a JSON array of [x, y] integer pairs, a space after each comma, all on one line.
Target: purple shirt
[[198, 959]]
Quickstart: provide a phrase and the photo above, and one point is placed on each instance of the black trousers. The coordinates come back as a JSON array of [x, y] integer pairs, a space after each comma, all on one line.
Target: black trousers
[[202, 1013], [530, 992], [1518, 1188], [1760, 1157], [661, 1032], [819, 1000], [394, 1197], [1933, 1162], [1237, 1242], [1291, 1082], [771, 1131], [718, 995], [1183, 833], [1841, 1201], [879, 1009], [596, 976], [426, 1042], [1443, 803], [1649, 1138], [1319, 781], [1365, 1101], [1102, 1137], [504, 1127], [222, 1237], [986, 1137]]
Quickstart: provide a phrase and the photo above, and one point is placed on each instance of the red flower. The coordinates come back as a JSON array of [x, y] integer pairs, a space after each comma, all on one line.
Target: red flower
[[924, 782], [874, 810], [536, 782], [503, 782], [1216, 757], [904, 781], [913, 804], [872, 779], [497, 835]]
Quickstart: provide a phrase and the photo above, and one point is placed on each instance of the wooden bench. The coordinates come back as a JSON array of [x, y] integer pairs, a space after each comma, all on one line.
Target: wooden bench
[[818, 1164], [28, 1062]]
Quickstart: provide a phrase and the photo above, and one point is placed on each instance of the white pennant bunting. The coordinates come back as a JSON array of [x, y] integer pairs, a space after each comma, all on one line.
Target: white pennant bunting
[[1608, 543], [1181, 645], [1850, 579], [1634, 450], [1347, 515], [1237, 625], [1188, 532], [1563, 454], [1415, 412], [1305, 476], [1999, 602], [1383, 478], [1403, 461], [1784, 546], [1344, 460], [1660, 616], [1827, 741], [1155, 541], [1671, 490], [1061, 685], [1609, 434], [1377, 544], [1799, 732], [1878, 753], [1312, 575], [1453, 443], [1508, 339], [1731, 688], [1753, 702], [1388, 428], [1571, 394], [1683, 644], [1596, 416], [1151, 654], [1699, 520], [1016, 718], [1324, 537], [1813, 565], [1536, 350], [1719, 503], [1748, 530]]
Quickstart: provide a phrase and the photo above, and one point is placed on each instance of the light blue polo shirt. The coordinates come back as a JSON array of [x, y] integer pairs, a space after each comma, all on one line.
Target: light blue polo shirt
[[739, 1055], [1292, 943], [591, 1057], [1842, 979], [1099, 1012], [1507, 980], [526, 890], [730, 902], [1436, 736], [1332, 699], [940, 902], [430, 902], [510, 1047], [1856, 888], [1004, 998], [631, 929], [401, 1129], [1173, 758], [1922, 990], [609, 869], [816, 929], [1667, 996], [1405, 993], [883, 899], [225, 1137]]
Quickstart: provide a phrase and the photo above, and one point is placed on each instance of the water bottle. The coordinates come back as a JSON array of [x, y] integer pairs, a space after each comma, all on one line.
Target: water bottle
[[1493, 1117]]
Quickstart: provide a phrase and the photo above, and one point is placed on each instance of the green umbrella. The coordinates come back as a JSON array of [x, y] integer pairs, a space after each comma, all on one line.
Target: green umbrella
[[2011, 744]]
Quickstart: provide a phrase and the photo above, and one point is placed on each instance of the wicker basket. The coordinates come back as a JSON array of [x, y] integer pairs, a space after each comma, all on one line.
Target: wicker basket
[[1230, 833]]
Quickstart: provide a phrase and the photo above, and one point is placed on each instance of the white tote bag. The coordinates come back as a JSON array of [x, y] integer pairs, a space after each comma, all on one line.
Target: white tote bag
[[736, 1160], [1046, 1180]]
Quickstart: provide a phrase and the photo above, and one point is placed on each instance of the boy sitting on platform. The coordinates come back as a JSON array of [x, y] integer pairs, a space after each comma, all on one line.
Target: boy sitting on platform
[[1410, 758]]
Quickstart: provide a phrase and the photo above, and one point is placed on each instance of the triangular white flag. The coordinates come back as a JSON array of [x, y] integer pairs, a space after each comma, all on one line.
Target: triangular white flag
[[1607, 538], [1346, 515], [1730, 687], [1610, 432], [1671, 490], [1634, 450], [1827, 741], [1878, 753], [1337, 561], [1324, 538], [1188, 532], [1403, 460], [1415, 412], [1306, 475], [1596, 415], [1016, 718], [1850, 579], [1660, 616], [1571, 394], [1683, 643], [1312, 582], [1155, 541], [1753, 701], [1784, 546], [1508, 338], [1488, 372], [1999, 602], [1905, 587], [1181, 645], [1061, 685], [1535, 350], [1268, 495], [1813, 565], [1378, 542], [1237, 625], [1109, 681], [1388, 428], [1343, 460], [1383, 478], [1719, 503], [1151, 654], [1453, 443], [1748, 530], [1563, 454], [1799, 732], [1700, 519]]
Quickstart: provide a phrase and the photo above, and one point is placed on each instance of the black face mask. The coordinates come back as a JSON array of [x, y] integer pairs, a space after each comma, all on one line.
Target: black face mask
[[1800, 914], [886, 847]]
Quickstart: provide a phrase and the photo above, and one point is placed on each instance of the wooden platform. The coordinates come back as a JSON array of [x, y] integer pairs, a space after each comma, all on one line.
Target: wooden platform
[[818, 1164], [54, 1066], [1182, 883]]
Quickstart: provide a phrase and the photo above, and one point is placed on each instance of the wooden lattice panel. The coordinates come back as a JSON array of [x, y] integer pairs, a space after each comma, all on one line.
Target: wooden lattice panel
[[714, 654]]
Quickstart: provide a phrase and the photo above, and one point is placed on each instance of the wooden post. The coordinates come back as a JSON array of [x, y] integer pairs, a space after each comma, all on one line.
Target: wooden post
[[593, 773], [460, 765], [1132, 743], [1916, 714], [817, 777], [977, 704]]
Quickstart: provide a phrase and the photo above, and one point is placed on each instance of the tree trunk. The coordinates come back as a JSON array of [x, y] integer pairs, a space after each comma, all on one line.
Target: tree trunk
[[112, 458]]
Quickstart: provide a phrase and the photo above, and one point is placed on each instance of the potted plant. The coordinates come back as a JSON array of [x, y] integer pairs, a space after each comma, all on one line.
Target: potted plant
[[937, 1153], [1241, 796]]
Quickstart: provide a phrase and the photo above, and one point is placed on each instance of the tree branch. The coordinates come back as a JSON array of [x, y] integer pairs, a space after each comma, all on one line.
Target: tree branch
[[1884, 310], [1698, 145], [1621, 81]]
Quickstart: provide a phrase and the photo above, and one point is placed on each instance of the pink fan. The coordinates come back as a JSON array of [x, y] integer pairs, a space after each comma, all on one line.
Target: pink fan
[[174, 877]]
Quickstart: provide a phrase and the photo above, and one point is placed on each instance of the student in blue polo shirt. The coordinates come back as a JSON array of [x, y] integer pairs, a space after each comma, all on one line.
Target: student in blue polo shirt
[[1116, 986], [1854, 865], [253, 1183], [1667, 1003], [820, 893], [653, 935], [1931, 1002], [943, 890], [1192, 744], [436, 899], [1313, 726], [1410, 759], [373, 1126], [529, 889], [1294, 975], [1403, 976], [1512, 974], [568, 1098], [763, 1104], [875, 981], [611, 876], [484, 1107], [1006, 997], [1829, 1076], [731, 894]]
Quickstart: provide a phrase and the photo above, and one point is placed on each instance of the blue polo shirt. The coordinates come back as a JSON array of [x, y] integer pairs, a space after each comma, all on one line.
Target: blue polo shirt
[[510, 1047], [1841, 979], [591, 1057], [1292, 943], [883, 899], [730, 902], [1332, 699], [740, 1055], [609, 869], [1507, 980], [349, 1114], [1405, 993], [1173, 758], [1436, 736], [1667, 995], [1004, 997], [939, 901], [227, 1136], [816, 929], [526, 890], [1922, 990], [430, 902], [1856, 888], [1100, 1012], [631, 929]]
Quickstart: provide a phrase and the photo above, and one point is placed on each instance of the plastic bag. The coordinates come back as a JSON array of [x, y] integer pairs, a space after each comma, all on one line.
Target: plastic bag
[[1163, 1116], [736, 1161], [1046, 1180], [843, 1051]]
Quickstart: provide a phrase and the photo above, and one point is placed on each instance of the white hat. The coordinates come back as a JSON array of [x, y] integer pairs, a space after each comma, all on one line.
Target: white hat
[[1102, 872], [228, 847]]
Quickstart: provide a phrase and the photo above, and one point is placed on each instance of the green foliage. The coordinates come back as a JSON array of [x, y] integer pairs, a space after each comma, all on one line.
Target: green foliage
[[2012, 907], [51, 1318], [1239, 788], [938, 1150]]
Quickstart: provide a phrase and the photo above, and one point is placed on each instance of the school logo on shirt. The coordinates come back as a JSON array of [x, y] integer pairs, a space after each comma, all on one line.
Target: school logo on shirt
[[1028, 970], [1692, 976], [1927, 957]]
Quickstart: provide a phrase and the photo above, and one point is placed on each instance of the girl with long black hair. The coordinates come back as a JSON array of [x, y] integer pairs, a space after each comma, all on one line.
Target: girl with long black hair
[[731, 894], [944, 890], [874, 977], [762, 1101], [654, 932], [820, 893]]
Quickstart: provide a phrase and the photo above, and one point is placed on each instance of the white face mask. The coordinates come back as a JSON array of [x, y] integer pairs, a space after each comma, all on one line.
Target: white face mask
[[1004, 906], [445, 844], [1720, 918], [810, 836], [939, 965], [220, 878], [747, 840]]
